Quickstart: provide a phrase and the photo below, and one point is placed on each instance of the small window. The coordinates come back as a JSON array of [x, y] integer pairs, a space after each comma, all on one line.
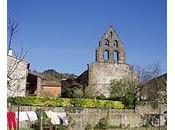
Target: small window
[[115, 44], [107, 42], [115, 56], [106, 55], [111, 34]]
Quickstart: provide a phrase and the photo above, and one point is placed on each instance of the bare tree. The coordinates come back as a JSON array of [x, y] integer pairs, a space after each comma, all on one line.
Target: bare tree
[[17, 66], [152, 85]]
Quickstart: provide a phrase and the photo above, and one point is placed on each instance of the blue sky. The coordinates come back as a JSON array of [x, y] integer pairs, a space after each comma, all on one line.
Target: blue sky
[[63, 34]]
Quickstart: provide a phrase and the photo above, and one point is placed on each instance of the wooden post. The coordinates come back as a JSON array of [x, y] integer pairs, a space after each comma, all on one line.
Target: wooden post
[[18, 119], [159, 116], [41, 120]]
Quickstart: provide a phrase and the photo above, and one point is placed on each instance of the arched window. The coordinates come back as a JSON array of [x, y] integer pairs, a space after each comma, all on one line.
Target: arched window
[[115, 56], [106, 55], [115, 43], [111, 34], [107, 43]]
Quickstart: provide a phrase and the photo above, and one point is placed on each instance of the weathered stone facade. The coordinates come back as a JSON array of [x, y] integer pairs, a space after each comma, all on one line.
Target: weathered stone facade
[[17, 71], [110, 64]]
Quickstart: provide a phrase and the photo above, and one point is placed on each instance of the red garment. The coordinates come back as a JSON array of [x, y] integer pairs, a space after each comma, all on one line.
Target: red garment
[[11, 120]]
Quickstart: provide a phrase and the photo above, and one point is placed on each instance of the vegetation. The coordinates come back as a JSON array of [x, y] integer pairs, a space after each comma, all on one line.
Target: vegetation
[[72, 89], [152, 85], [53, 75], [63, 102], [102, 124], [88, 127], [60, 127], [124, 90]]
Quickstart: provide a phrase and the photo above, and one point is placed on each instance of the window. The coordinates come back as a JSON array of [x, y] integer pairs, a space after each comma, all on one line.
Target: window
[[107, 42], [115, 43], [106, 55], [111, 34], [115, 55]]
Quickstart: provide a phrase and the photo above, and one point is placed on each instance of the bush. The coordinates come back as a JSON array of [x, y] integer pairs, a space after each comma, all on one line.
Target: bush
[[102, 124], [60, 127], [65, 102], [88, 127]]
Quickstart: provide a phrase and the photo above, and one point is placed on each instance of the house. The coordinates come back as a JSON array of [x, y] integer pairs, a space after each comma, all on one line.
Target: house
[[51, 88], [17, 71], [33, 84]]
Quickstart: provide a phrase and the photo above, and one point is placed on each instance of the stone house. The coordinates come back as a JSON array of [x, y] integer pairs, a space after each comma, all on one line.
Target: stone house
[[21, 81], [110, 63], [17, 71], [38, 86]]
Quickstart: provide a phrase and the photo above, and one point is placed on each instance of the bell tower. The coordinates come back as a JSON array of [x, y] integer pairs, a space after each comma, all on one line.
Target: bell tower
[[110, 48]]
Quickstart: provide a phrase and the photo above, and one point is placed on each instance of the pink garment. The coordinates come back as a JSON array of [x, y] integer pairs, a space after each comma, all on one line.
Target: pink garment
[[11, 120]]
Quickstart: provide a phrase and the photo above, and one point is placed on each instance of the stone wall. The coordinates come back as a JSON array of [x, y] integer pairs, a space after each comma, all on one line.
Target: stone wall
[[127, 118], [101, 73], [17, 71]]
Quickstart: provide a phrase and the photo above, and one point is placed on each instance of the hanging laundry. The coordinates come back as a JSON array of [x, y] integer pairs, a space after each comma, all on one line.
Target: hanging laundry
[[54, 118], [11, 120], [63, 117], [32, 115], [22, 116]]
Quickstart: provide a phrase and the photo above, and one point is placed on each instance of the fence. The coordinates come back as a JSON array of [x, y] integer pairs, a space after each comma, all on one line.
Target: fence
[[78, 119]]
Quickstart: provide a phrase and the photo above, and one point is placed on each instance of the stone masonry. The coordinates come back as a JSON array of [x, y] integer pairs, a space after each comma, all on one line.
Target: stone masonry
[[17, 71], [110, 64]]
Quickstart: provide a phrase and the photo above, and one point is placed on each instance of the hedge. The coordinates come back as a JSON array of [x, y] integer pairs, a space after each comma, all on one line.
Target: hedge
[[64, 102]]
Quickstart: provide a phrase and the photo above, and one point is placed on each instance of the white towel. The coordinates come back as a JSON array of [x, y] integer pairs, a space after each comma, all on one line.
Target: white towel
[[32, 115], [63, 117], [54, 118], [22, 116]]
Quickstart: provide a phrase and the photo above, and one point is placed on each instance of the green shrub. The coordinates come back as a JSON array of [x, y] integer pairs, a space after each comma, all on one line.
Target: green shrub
[[60, 127], [65, 102], [102, 124], [88, 127]]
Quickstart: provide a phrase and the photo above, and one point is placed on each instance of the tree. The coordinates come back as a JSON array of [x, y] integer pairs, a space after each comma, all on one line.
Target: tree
[[152, 85], [124, 90], [72, 89], [17, 68], [53, 75]]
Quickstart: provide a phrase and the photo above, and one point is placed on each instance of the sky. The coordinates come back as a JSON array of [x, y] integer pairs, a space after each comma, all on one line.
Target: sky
[[63, 34]]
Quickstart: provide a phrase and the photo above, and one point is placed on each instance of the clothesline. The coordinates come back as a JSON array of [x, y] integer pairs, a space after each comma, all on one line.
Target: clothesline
[[56, 117]]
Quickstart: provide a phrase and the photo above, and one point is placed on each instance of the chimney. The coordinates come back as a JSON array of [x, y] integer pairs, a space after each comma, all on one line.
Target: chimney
[[10, 53]]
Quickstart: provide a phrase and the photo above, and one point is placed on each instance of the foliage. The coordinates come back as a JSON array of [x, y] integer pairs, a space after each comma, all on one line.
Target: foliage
[[64, 102], [39, 101], [101, 96], [72, 89], [152, 85], [129, 100], [120, 88], [60, 127], [88, 127], [124, 90], [53, 75], [45, 120], [102, 124]]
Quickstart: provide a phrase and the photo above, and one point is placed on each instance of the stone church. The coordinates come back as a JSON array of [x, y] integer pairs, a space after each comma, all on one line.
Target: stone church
[[110, 63]]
